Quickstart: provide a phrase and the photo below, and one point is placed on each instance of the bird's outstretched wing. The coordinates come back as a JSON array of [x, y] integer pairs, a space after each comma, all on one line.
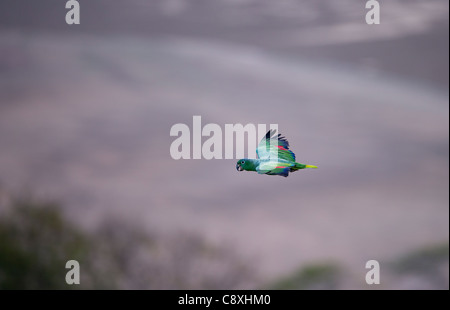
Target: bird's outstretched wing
[[272, 145]]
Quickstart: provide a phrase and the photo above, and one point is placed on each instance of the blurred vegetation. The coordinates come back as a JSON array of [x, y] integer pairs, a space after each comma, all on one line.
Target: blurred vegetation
[[424, 268], [36, 241], [311, 277]]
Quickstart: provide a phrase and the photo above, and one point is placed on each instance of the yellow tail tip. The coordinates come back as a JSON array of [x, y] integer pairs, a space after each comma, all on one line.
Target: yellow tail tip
[[311, 166]]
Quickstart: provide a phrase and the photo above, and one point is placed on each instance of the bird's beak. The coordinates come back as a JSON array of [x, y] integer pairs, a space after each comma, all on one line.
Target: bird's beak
[[238, 167]]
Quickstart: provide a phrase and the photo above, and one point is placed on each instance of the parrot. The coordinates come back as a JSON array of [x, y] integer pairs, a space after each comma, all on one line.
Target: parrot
[[267, 162]]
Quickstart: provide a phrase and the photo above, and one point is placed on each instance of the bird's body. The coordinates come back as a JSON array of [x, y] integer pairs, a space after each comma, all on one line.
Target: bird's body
[[274, 157]]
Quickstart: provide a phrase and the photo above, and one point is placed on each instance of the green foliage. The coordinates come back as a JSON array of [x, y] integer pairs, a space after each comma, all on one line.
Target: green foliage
[[36, 241], [421, 260], [427, 266], [316, 276]]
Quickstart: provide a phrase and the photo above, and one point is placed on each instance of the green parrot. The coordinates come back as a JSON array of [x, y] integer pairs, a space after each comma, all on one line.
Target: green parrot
[[268, 162]]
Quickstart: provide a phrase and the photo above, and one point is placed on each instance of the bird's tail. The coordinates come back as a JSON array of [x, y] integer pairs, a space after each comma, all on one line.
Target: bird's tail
[[311, 166], [299, 166]]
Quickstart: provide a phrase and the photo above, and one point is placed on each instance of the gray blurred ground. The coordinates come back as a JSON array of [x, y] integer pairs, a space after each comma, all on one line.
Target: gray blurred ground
[[85, 115]]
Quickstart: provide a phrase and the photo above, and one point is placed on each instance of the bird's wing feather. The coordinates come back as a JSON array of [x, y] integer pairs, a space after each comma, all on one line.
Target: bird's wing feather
[[274, 168], [272, 145]]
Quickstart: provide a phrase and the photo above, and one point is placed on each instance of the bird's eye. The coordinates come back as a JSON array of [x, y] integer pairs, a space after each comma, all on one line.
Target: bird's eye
[[242, 162]]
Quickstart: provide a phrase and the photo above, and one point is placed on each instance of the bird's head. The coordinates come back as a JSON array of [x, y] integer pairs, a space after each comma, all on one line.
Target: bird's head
[[242, 164]]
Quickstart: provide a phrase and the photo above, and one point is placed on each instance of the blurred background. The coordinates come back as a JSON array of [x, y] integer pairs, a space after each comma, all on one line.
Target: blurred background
[[86, 173]]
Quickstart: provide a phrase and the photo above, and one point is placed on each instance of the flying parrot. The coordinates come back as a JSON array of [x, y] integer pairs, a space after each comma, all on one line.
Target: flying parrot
[[274, 157]]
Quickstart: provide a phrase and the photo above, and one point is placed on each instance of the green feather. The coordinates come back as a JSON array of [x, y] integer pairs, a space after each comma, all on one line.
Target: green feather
[[274, 157]]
